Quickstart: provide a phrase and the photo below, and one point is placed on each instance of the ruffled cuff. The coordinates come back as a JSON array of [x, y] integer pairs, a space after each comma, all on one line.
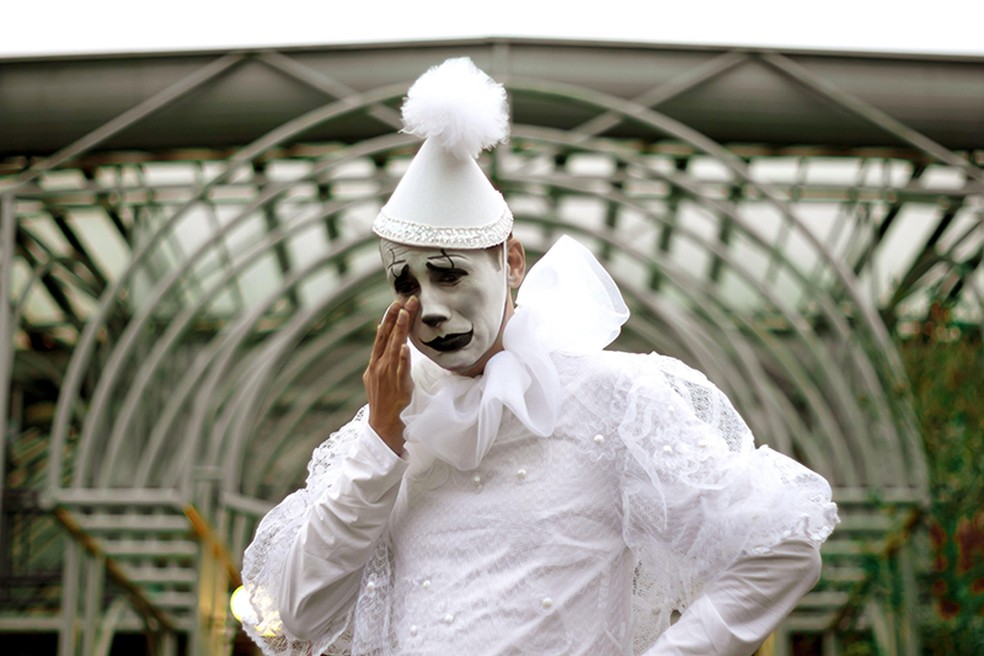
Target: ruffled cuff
[[352, 484]]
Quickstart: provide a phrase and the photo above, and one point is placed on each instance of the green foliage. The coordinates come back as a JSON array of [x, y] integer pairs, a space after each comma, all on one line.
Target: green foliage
[[859, 648], [947, 380]]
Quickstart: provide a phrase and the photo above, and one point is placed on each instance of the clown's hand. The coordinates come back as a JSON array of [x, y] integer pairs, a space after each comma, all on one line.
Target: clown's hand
[[387, 378]]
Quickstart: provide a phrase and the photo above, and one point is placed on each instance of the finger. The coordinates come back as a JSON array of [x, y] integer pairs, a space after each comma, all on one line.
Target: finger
[[383, 331], [410, 309], [403, 368], [398, 336], [413, 307]]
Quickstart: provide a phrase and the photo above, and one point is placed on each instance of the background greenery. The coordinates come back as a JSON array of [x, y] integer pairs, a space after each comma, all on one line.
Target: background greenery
[[946, 368]]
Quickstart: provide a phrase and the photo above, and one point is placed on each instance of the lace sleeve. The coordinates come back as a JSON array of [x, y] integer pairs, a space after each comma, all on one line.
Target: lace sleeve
[[264, 559], [696, 492]]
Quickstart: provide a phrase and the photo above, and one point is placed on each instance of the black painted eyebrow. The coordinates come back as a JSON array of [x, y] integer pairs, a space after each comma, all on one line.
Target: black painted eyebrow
[[434, 267], [444, 256]]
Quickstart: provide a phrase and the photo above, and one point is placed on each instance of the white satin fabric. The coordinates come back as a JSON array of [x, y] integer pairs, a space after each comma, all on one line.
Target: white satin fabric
[[570, 501], [567, 304]]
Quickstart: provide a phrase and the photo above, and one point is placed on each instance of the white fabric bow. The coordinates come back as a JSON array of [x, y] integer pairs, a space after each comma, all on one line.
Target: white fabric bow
[[567, 304]]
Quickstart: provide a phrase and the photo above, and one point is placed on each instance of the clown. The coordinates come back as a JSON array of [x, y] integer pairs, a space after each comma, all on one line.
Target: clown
[[511, 487]]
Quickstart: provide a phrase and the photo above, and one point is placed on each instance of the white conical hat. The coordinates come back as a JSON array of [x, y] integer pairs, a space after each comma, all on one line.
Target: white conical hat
[[444, 199]]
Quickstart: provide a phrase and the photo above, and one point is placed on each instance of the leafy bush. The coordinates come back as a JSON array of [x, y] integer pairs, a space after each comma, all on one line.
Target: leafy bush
[[947, 377]]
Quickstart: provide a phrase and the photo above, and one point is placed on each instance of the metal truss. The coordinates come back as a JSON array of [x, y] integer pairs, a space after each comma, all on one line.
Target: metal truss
[[183, 320]]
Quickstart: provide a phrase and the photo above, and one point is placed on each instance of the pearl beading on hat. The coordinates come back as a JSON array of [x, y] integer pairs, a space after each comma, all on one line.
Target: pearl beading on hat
[[416, 234]]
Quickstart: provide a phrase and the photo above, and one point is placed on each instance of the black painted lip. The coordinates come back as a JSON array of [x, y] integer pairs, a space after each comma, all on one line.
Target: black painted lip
[[452, 342]]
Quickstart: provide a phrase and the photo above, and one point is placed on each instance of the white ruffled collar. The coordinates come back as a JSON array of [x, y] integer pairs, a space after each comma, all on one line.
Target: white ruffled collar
[[567, 304]]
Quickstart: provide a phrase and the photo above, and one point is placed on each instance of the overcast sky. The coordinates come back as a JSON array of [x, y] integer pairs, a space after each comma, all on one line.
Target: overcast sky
[[76, 26]]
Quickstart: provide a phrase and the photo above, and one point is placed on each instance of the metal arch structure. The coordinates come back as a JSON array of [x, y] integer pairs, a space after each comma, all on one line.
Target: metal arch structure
[[190, 286]]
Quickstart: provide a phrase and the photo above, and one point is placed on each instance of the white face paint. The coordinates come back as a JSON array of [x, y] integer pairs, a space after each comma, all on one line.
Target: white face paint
[[462, 299]]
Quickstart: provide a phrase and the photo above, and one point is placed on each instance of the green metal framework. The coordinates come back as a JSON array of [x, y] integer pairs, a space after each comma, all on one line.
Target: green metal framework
[[184, 315]]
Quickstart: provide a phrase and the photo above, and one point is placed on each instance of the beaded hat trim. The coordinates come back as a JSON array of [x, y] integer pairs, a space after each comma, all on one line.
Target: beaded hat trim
[[469, 237]]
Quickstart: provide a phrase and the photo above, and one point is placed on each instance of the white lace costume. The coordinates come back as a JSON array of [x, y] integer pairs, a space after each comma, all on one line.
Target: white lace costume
[[567, 501]]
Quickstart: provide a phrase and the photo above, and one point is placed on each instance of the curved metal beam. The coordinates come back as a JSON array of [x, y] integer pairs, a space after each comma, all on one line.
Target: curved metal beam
[[943, 100], [653, 119]]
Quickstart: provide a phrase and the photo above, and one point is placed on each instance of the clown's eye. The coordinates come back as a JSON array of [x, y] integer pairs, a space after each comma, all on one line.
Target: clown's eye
[[450, 276], [406, 287], [405, 284]]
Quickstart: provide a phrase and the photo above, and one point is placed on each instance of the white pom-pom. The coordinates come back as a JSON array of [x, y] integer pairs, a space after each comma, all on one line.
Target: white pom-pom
[[459, 106]]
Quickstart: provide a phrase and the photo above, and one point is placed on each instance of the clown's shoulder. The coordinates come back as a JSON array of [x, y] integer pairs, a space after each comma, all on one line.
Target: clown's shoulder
[[612, 374], [608, 391]]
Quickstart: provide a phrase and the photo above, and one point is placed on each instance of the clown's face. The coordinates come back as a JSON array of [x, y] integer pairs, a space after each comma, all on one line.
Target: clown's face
[[462, 297]]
